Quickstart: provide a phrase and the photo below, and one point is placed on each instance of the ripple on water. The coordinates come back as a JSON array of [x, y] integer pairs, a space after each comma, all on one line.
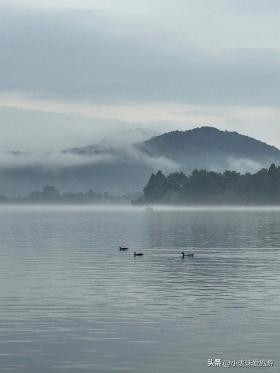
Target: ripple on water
[[70, 301]]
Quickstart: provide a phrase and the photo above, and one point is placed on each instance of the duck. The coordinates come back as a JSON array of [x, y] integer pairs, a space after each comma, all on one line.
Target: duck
[[137, 254], [190, 255], [121, 248]]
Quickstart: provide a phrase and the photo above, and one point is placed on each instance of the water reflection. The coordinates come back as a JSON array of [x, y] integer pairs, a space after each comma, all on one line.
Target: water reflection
[[70, 301]]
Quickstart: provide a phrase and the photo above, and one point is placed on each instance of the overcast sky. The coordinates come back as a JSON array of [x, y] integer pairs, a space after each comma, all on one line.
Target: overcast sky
[[77, 71]]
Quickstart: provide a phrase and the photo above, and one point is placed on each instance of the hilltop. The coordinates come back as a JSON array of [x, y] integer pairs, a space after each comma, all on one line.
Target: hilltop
[[120, 170], [208, 147]]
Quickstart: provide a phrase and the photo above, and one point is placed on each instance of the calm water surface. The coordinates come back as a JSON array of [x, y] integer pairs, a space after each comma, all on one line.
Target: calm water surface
[[71, 302]]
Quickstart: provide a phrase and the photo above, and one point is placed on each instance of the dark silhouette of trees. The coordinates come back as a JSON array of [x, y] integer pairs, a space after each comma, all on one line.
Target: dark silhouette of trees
[[209, 187], [50, 194]]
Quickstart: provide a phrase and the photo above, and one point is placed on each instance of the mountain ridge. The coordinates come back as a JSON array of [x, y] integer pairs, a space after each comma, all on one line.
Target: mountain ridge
[[103, 167], [230, 142]]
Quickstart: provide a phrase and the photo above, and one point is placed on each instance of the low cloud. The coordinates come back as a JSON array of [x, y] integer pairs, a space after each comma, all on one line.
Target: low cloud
[[155, 163], [243, 165], [53, 160], [92, 155]]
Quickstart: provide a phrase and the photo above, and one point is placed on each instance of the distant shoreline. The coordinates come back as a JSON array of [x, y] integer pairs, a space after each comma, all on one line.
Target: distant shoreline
[[142, 207], [210, 188]]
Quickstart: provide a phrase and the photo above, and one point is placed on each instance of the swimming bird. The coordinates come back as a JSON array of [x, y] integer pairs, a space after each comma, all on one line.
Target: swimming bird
[[190, 255], [137, 254], [123, 248]]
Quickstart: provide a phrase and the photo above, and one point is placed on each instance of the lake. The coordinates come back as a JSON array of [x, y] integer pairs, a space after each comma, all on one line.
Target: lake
[[71, 302]]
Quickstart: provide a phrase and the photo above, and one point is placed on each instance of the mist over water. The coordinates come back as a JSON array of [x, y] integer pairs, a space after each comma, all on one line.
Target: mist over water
[[71, 302]]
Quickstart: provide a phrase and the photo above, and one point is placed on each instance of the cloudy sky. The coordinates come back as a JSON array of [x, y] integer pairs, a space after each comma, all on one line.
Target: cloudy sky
[[75, 72]]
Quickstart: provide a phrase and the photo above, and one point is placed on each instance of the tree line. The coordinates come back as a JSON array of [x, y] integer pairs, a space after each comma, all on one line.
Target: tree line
[[209, 187], [50, 194]]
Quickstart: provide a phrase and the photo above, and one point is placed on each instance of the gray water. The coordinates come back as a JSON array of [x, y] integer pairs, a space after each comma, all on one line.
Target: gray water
[[71, 302]]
